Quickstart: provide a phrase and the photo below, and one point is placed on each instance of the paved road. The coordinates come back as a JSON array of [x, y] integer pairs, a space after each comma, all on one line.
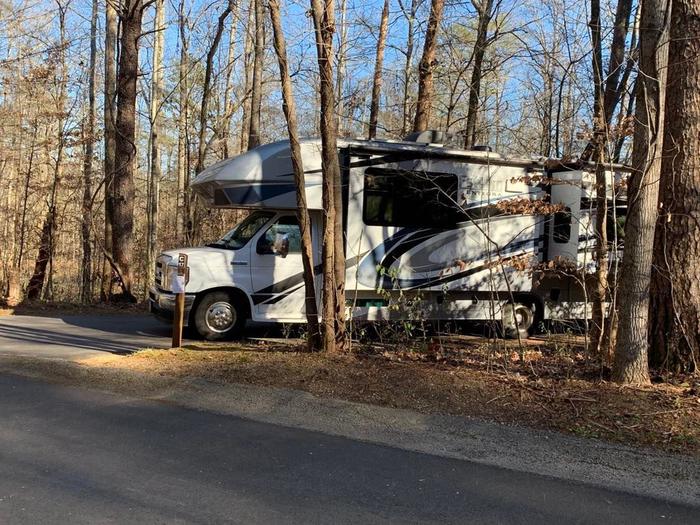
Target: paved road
[[79, 336], [79, 456], [82, 336]]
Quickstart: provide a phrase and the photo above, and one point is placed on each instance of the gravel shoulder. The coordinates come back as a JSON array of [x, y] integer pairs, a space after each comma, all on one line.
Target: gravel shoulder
[[640, 471]]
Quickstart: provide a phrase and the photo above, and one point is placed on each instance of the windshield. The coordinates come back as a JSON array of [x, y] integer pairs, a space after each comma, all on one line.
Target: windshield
[[241, 234]]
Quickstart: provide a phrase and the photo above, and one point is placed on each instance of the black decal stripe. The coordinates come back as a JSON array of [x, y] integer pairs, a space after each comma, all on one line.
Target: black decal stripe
[[460, 275], [403, 247]]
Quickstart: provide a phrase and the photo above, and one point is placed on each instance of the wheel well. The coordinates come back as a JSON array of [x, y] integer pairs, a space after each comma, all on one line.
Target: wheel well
[[236, 294]]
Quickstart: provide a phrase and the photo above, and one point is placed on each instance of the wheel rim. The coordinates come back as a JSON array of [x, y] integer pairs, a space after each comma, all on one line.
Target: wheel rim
[[524, 317], [220, 317]]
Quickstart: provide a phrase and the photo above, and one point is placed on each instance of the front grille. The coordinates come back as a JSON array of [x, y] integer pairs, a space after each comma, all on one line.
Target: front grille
[[160, 278], [159, 273]]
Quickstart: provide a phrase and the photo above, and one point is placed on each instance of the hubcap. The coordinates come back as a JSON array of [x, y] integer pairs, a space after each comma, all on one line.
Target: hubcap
[[523, 317], [220, 317]]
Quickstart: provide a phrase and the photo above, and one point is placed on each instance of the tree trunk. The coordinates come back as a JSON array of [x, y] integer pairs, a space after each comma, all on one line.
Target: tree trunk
[[333, 248], [340, 73], [154, 117], [288, 106], [631, 356], [194, 221], [600, 284], [110, 95], [44, 258], [675, 334], [229, 107], [256, 94], [206, 88], [410, 20], [247, 77], [378, 65], [425, 68], [182, 208], [485, 13], [123, 211], [616, 66], [89, 137], [610, 87], [36, 282]]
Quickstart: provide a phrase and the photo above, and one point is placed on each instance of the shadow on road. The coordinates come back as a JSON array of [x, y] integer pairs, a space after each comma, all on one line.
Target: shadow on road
[[34, 336]]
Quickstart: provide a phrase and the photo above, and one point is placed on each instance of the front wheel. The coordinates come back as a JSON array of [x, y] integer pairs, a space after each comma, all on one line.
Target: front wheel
[[218, 316]]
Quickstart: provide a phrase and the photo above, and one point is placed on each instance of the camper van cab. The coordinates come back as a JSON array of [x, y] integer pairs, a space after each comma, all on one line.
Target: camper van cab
[[420, 220]]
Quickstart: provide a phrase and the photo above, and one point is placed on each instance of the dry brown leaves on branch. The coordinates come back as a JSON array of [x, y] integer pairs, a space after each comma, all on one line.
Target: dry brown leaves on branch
[[525, 206]]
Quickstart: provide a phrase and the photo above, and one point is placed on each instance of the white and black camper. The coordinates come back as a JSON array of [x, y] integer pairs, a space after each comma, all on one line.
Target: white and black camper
[[421, 218]]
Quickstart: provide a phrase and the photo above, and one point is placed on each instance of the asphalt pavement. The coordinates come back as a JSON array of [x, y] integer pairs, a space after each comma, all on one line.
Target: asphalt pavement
[[76, 337], [80, 336], [70, 455]]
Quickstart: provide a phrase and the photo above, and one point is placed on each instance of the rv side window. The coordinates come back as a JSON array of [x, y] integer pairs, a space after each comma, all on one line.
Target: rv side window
[[283, 236], [410, 198], [562, 226]]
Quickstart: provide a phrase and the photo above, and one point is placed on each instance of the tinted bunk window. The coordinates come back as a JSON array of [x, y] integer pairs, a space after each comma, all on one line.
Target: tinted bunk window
[[411, 198]]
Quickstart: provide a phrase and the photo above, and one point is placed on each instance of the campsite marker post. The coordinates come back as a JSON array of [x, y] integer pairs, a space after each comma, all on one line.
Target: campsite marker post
[[178, 285]]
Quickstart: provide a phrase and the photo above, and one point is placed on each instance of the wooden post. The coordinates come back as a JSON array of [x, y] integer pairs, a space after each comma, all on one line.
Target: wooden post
[[178, 286]]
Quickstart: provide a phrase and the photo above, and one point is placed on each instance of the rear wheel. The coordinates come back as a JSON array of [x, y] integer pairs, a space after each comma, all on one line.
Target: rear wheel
[[218, 316], [518, 320]]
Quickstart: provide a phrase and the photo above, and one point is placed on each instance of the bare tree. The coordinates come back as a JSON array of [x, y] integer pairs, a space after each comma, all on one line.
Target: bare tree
[[154, 174], [410, 15], [44, 260], [229, 104], [675, 332], [89, 138], [110, 98], [597, 144], [606, 97], [485, 12], [182, 198], [340, 71], [206, 87], [631, 355], [289, 108], [333, 310], [378, 65], [193, 219], [256, 93], [426, 67], [130, 15], [248, 64]]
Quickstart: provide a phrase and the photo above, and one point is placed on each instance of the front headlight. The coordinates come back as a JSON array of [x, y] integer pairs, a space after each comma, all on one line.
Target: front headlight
[[170, 270]]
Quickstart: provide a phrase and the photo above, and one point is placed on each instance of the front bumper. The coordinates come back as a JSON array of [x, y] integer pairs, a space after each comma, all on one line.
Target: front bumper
[[162, 305]]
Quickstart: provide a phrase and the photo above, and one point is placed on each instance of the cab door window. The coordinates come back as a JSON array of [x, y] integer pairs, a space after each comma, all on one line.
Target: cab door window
[[281, 238]]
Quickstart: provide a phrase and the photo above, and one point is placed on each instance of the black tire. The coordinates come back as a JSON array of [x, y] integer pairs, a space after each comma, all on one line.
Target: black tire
[[218, 317], [525, 317]]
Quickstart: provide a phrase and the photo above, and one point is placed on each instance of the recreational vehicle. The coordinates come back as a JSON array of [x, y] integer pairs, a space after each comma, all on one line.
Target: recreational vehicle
[[421, 220]]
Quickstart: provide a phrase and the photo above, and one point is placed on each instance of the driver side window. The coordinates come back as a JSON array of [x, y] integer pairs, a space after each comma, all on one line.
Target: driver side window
[[282, 238]]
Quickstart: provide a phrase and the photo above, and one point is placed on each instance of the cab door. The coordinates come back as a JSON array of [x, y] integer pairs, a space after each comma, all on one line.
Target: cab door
[[277, 271]]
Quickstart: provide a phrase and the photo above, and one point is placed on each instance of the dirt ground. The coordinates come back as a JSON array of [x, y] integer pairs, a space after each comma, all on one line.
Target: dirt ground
[[551, 384]]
